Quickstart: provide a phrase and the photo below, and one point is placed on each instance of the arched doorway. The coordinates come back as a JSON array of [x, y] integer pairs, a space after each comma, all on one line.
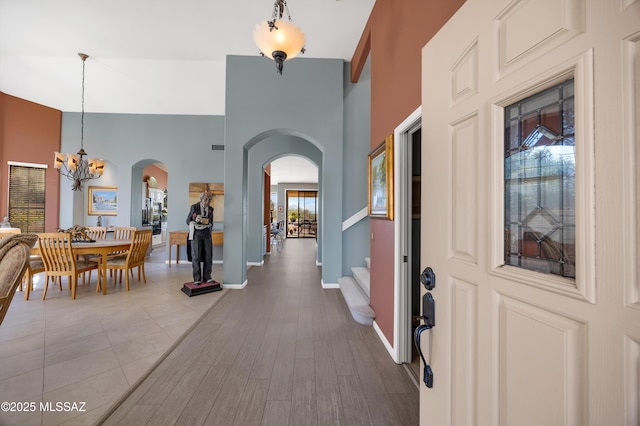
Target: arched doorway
[[149, 197], [257, 153]]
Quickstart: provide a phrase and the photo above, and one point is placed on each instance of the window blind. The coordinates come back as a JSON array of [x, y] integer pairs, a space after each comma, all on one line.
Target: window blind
[[27, 198]]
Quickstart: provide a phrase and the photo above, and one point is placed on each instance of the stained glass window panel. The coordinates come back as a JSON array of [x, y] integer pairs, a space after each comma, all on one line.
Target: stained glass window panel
[[539, 173]]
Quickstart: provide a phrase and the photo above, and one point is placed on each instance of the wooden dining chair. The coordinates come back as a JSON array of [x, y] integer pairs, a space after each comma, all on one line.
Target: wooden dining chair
[[133, 258], [35, 266], [123, 232], [97, 232], [94, 233], [59, 260]]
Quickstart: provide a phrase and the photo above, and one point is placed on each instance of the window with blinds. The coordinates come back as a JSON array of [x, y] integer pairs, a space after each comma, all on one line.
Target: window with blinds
[[27, 197]]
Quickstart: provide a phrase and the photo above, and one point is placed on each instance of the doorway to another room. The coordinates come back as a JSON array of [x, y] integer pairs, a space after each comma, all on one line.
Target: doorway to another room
[[407, 247], [291, 201], [302, 214], [413, 240]]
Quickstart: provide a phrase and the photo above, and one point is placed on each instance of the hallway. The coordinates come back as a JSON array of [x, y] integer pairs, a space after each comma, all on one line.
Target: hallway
[[281, 351]]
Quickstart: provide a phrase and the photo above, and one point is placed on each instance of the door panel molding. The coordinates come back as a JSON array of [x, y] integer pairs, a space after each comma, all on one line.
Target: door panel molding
[[464, 181], [464, 338], [519, 42], [464, 74], [632, 379], [584, 285], [631, 128], [553, 353]]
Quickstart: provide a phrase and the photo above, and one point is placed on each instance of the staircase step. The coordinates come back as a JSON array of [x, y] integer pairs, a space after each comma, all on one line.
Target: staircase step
[[357, 301], [362, 276]]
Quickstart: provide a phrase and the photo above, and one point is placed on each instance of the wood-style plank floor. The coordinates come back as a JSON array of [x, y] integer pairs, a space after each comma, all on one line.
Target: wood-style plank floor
[[282, 351]]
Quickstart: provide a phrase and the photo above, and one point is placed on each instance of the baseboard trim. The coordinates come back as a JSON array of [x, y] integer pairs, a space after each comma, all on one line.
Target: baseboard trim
[[385, 342], [235, 286], [329, 285]]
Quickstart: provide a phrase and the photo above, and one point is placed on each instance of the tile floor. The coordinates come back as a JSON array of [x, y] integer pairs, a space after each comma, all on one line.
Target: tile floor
[[281, 351], [93, 349]]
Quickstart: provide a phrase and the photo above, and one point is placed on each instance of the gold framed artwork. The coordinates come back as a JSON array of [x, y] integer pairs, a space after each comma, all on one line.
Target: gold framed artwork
[[381, 180], [217, 201], [103, 201]]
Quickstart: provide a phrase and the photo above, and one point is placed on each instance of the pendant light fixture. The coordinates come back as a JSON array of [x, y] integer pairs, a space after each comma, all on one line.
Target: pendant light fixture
[[278, 38], [76, 168]]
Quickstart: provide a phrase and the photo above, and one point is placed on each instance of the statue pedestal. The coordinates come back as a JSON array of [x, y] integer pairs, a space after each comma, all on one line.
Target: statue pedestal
[[190, 289]]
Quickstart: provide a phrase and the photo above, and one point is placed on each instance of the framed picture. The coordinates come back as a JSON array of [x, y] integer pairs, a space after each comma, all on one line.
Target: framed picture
[[217, 202], [381, 180], [103, 201]]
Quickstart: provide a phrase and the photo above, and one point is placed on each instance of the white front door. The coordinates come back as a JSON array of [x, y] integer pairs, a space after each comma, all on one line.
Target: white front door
[[537, 304]]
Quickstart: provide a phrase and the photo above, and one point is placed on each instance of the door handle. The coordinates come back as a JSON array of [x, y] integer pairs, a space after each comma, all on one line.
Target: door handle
[[429, 318]]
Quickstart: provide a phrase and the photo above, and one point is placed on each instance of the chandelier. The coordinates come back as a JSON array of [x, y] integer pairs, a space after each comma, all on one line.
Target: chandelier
[[279, 39], [76, 168]]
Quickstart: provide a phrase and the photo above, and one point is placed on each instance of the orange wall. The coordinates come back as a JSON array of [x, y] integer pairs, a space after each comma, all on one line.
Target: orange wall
[[161, 176], [394, 37], [266, 201], [30, 133]]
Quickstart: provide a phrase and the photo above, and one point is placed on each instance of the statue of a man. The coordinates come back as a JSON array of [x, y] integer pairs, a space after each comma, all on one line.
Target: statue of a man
[[200, 221]]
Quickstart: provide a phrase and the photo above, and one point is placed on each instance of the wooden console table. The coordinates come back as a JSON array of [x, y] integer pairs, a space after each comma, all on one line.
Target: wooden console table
[[179, 238]]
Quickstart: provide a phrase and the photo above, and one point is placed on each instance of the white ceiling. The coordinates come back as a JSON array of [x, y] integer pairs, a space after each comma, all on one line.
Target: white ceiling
[[293, 169], [156, 57], [151, 57]]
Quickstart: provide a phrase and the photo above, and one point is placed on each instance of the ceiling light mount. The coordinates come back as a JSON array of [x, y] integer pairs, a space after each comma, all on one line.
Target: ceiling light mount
[[278, 38]]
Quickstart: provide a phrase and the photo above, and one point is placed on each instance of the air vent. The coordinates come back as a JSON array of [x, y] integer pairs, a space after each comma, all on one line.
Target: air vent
[[217, 147]]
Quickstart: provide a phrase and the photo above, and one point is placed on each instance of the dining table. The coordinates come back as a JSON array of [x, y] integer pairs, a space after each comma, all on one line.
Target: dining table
[[102, 247]]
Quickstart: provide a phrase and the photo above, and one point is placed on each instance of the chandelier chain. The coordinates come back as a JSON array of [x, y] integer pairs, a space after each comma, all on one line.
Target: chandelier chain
[[279, 7], [287, 9], [84, 60]]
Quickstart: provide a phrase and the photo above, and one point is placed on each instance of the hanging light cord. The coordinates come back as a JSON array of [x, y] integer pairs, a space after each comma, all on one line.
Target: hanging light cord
[[84, 58]]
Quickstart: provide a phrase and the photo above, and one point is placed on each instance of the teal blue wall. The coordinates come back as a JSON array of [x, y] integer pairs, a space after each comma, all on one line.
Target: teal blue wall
[[305, 102], [311, 111], [131, 141], [357, 126]]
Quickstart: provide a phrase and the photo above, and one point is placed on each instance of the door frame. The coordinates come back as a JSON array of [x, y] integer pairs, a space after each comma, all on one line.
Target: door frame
[[286, 210], [402, 339]]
